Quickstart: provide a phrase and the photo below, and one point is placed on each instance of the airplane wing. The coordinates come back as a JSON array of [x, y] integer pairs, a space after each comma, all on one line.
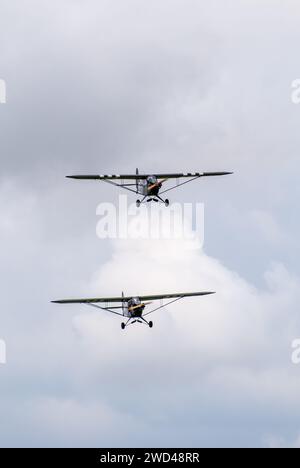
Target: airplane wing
[[174, 296], [108, 177], [112, 309], [144, 176], [120, 299], [94, 302], [191, 174], [91, 300]]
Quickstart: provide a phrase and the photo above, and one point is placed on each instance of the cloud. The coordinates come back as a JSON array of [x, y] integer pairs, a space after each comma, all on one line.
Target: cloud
[[213, 371], [230, 350]]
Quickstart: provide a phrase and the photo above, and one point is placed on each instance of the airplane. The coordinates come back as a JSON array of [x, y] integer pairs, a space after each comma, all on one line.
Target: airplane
[[132, 307], [148, 186]]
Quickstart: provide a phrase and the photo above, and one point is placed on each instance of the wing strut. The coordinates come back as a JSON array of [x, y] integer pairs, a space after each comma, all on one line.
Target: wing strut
[[178, 185], [124, 186], [104, 308], [164, 305]]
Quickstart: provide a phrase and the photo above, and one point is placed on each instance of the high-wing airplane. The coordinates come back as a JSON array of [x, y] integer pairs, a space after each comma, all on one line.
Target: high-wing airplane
[[131, 307], [149, 186]]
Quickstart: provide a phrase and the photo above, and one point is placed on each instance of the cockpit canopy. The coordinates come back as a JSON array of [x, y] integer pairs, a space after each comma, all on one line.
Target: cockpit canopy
[[151, 180], [134, 301]]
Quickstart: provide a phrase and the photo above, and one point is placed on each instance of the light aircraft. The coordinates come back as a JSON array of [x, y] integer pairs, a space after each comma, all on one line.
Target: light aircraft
[[131, 307], [148, 186]]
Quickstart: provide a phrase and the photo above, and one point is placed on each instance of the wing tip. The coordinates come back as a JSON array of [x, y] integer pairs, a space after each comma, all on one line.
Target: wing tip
[[220, 173], [207, 293]]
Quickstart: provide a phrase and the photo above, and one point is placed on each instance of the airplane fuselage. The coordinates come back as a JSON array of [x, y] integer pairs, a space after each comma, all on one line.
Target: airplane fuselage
[[149, 187]]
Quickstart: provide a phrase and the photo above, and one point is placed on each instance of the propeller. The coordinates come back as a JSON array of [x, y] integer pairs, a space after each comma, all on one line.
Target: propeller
[[138, 306]]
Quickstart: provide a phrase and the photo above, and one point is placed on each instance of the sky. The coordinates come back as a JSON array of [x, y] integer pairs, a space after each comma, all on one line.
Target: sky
[[105, 87]]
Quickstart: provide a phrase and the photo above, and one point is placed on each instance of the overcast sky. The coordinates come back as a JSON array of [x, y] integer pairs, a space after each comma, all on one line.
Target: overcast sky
[[105, 87]]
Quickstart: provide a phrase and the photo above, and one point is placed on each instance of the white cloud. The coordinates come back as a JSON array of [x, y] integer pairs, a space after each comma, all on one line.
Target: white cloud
[[231, 349]]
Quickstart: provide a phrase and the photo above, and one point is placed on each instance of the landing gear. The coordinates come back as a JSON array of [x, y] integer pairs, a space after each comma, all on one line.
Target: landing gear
[[130, 321], [165, 202], [139, 202], [155, 199], [150, 324]]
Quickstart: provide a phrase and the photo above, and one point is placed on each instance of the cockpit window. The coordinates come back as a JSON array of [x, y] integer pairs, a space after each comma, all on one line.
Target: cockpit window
[[152, 179]]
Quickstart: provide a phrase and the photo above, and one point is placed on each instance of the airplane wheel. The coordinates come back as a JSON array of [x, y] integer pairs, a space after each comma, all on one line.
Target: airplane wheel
[[122, 325], [150, 324], [138, 203], [167, 203]]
